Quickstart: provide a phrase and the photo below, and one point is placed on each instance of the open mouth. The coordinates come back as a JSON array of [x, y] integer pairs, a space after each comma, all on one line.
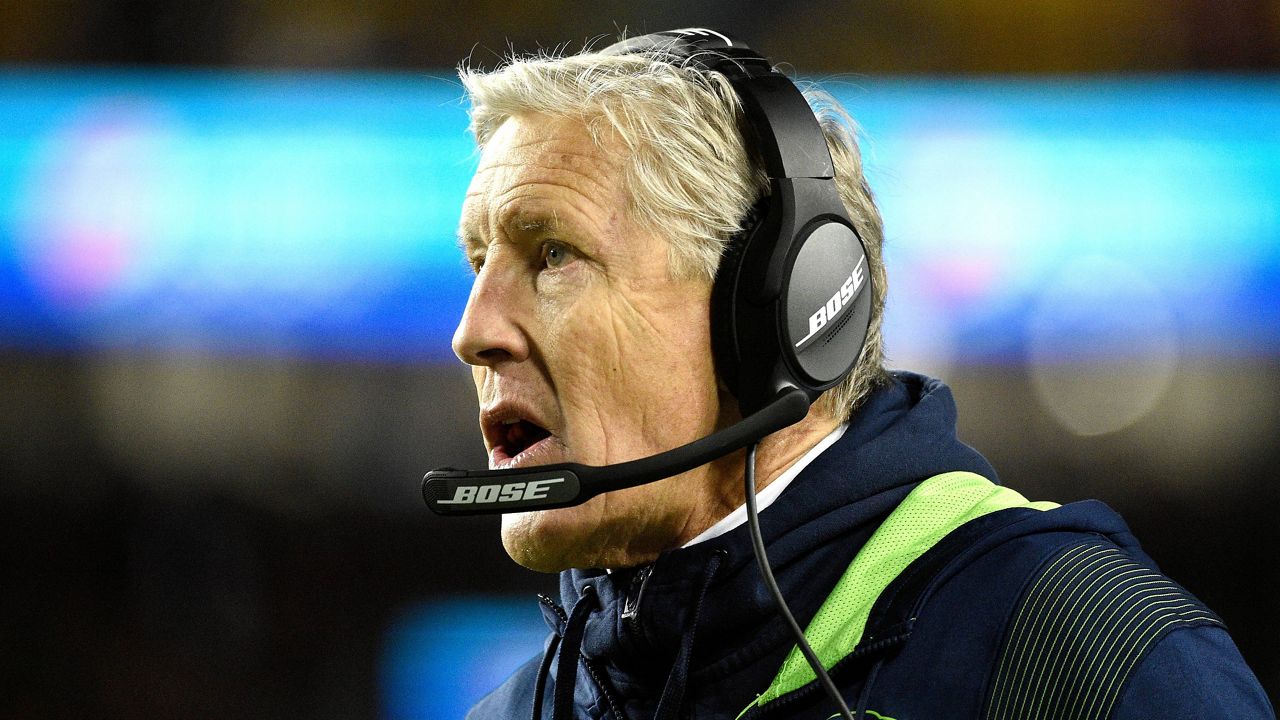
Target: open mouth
[[517, 442]]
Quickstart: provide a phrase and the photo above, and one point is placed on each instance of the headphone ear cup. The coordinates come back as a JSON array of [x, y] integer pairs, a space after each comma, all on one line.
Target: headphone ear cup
[[724, 331], [803, 329], [726, 336]]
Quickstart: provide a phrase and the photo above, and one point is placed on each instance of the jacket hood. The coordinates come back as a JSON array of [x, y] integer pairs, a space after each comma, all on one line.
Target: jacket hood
[[904, 433], [700, 619]]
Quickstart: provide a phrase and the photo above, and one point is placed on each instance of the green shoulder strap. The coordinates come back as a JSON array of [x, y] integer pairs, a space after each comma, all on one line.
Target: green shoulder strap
[[929, 513]]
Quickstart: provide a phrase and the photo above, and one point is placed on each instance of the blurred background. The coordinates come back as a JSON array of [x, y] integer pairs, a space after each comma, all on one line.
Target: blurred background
[[228, 282]]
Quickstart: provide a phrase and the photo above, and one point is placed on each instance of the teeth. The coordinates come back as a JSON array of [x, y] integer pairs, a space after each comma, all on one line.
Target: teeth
[[512, 421]]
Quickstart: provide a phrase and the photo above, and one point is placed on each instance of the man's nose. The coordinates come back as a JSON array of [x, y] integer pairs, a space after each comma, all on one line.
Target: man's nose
[[491, 331]]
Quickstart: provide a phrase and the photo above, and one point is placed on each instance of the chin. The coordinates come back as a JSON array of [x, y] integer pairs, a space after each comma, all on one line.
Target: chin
[[546, 540], [616, 530]]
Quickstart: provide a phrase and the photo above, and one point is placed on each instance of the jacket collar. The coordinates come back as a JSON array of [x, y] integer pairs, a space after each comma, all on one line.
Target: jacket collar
[[903, 434]]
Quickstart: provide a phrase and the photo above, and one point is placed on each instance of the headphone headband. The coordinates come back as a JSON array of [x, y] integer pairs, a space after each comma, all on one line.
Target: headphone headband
[[787, 132], [707, 49]]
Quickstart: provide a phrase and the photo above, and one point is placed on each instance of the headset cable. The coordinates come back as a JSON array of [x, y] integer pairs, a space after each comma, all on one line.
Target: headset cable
[[757, 544]]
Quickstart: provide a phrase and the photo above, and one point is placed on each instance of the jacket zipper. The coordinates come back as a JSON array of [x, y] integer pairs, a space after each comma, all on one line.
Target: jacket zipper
[[555, 607], [635, 593]]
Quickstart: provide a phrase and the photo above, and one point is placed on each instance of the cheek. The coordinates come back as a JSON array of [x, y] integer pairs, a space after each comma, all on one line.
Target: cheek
[[633, 372], [655, 360], [585, 343], [677, 347]]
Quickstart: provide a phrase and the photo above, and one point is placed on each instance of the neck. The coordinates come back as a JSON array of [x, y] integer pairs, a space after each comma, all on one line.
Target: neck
[[774, 454]]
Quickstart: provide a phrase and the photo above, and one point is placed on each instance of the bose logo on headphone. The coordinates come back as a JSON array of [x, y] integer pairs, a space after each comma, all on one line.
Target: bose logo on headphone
[[511, 492], [839, 301]]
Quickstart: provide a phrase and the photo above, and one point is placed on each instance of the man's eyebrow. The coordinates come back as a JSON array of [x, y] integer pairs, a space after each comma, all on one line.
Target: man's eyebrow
[[528, 223], [534, 222], [467, 241]]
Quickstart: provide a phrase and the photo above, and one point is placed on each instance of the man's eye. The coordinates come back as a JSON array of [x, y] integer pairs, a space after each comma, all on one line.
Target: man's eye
[[556, 255]]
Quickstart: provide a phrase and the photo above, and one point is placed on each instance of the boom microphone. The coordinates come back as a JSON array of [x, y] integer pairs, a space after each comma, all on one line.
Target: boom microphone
[[478, 492]]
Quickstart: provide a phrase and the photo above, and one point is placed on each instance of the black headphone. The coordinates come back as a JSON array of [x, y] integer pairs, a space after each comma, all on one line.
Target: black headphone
[[791, 304]]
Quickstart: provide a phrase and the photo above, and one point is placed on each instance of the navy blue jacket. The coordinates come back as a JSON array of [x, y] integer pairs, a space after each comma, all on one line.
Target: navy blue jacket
[[997, 621]]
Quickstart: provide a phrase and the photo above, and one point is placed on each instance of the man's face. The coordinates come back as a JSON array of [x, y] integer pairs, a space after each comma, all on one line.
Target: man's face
[[583, 346]]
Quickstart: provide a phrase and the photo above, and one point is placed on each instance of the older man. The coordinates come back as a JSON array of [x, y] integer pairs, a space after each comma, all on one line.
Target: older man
[[609, 188]]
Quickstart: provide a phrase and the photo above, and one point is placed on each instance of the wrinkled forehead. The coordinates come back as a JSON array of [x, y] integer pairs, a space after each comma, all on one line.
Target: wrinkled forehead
[[579, 139], [536, 165]]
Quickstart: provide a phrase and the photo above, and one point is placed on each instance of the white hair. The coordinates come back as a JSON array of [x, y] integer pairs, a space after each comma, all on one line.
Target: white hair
[[691, 177]]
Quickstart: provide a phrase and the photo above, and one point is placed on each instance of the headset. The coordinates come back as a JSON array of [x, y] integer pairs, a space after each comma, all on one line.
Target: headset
[[790, 311], [791, 303]]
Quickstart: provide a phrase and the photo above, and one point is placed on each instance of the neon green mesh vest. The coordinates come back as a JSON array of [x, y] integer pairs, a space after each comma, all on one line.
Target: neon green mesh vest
[[929, 513]]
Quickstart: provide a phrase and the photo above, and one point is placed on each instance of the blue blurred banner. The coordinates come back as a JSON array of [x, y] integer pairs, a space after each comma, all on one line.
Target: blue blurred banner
[[314, 215], [232, 213]]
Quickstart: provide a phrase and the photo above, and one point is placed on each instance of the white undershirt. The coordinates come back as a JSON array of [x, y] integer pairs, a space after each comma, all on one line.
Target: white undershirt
[[765, 497]]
